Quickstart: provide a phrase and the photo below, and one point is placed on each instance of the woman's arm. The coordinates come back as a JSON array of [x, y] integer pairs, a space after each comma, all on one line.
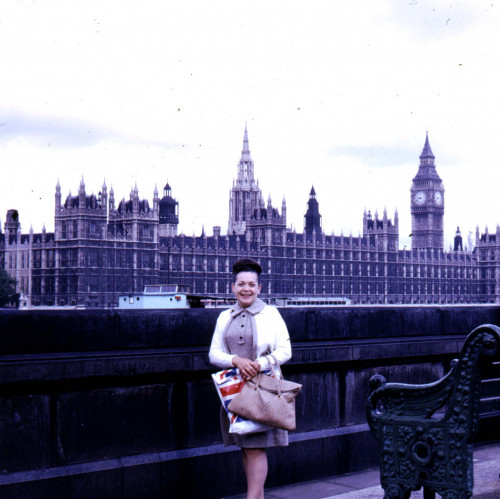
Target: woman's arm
[[275, 330], [218, 354]]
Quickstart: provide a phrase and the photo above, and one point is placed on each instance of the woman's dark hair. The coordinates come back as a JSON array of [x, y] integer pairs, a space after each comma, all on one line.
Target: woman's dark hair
[[246, 265]]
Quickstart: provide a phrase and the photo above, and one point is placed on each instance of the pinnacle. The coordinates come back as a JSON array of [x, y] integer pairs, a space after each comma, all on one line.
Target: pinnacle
[[427, 151]]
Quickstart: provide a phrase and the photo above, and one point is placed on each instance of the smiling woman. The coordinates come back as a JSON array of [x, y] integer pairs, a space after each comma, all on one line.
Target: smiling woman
[[244, 336], [246, 288]]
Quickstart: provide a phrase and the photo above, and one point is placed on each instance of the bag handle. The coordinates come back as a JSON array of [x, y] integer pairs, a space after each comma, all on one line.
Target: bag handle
[[276, 368], [273, 362]]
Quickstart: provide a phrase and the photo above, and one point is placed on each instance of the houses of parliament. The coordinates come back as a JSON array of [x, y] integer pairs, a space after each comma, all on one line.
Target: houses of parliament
[[101, 249]]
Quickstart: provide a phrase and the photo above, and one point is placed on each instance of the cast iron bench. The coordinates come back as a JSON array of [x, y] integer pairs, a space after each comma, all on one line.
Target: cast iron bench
[[425, 432]]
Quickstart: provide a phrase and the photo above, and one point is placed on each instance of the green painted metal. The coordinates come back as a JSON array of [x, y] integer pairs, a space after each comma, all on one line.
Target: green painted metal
[[425, 432]]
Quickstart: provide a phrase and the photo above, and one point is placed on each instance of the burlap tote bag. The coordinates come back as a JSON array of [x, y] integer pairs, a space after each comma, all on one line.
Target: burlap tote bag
[[268, 400]]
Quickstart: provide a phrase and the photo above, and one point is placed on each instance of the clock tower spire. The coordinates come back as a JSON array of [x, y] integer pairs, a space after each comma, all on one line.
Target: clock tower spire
[[427, 203]]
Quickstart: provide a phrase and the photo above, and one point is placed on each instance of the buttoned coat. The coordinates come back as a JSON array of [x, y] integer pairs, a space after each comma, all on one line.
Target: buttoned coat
[[270, 336]]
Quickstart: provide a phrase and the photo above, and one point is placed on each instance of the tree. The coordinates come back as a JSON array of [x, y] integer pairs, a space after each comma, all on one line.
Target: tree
[[7, 287]]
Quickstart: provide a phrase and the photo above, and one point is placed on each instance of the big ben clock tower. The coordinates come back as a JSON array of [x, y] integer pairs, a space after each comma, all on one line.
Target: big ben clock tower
[[427, 203]]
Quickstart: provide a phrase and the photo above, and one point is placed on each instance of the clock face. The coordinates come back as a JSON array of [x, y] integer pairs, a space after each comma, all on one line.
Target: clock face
[[438, 198], [420, 198]]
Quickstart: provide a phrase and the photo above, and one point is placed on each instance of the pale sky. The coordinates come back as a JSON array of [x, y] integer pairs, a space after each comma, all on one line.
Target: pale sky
[[336, 94]]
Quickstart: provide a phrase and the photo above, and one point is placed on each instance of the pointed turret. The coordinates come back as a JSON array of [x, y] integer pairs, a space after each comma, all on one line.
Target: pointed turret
[[111, 199], [104, 196], [156, 201], [427, 151], [168, 213], [81, 194], [312, 218], [58, 196], [283, 209], [458, 245], [245, 152]]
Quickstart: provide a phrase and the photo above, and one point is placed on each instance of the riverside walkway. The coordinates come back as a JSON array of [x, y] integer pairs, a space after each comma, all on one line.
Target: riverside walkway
[[366, 484]]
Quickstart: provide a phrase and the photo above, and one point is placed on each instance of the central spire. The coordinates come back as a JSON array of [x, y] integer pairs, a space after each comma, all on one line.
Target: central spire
[[245, 167], [246, 196], [245, 153]]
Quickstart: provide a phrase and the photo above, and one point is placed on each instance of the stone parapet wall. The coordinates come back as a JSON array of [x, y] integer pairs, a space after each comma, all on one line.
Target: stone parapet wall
[[120, 403]]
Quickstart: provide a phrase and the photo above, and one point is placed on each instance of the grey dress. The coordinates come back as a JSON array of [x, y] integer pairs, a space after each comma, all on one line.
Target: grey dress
[[239, 340]]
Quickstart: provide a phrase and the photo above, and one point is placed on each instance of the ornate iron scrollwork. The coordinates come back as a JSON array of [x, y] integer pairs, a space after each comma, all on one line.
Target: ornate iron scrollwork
[[425, 432]]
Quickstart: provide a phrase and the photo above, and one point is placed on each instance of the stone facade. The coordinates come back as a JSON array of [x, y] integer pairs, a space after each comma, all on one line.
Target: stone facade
[[99, 250]]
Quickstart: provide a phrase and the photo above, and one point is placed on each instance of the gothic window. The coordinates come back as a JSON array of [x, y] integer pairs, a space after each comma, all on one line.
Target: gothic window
[[64, 234], [63, 258], [36, 286], [278, 267], [49, 285], [94, 258], [73, 284], [198, 263], [211, 264], [63, 284], [163, 261], [176, 262], [37, 259], [94, 283], [73, 258], [50, 259]]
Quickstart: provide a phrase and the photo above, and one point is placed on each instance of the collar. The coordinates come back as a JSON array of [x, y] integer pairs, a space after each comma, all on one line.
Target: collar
[[257, 306]]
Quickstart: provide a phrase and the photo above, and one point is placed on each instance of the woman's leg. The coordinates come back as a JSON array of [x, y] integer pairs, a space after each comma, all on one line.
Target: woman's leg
[[255, 465]]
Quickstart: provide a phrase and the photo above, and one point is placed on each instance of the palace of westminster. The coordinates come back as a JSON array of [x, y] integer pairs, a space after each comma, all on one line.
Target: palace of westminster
[[101, 249]]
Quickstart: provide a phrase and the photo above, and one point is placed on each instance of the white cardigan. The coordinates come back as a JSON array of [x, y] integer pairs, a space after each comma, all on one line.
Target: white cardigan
[[272, 337]]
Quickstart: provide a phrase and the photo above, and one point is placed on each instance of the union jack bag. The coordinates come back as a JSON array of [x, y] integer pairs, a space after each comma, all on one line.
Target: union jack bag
[[229, 383]]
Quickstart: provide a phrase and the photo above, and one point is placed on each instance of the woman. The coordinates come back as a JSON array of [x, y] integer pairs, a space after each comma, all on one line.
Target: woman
[[243, 336]]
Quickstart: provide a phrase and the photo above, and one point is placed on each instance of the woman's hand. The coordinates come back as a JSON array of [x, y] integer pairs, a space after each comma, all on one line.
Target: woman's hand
[[248, 368]]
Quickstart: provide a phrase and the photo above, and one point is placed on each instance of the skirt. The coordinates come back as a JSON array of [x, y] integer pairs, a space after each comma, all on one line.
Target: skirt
[[261, 440]]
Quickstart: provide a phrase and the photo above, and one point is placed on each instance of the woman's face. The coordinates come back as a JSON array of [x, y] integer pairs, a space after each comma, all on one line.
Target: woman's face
[[246, 288]]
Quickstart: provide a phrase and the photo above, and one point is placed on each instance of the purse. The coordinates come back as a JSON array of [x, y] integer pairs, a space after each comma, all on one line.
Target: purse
[[268, 400]]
